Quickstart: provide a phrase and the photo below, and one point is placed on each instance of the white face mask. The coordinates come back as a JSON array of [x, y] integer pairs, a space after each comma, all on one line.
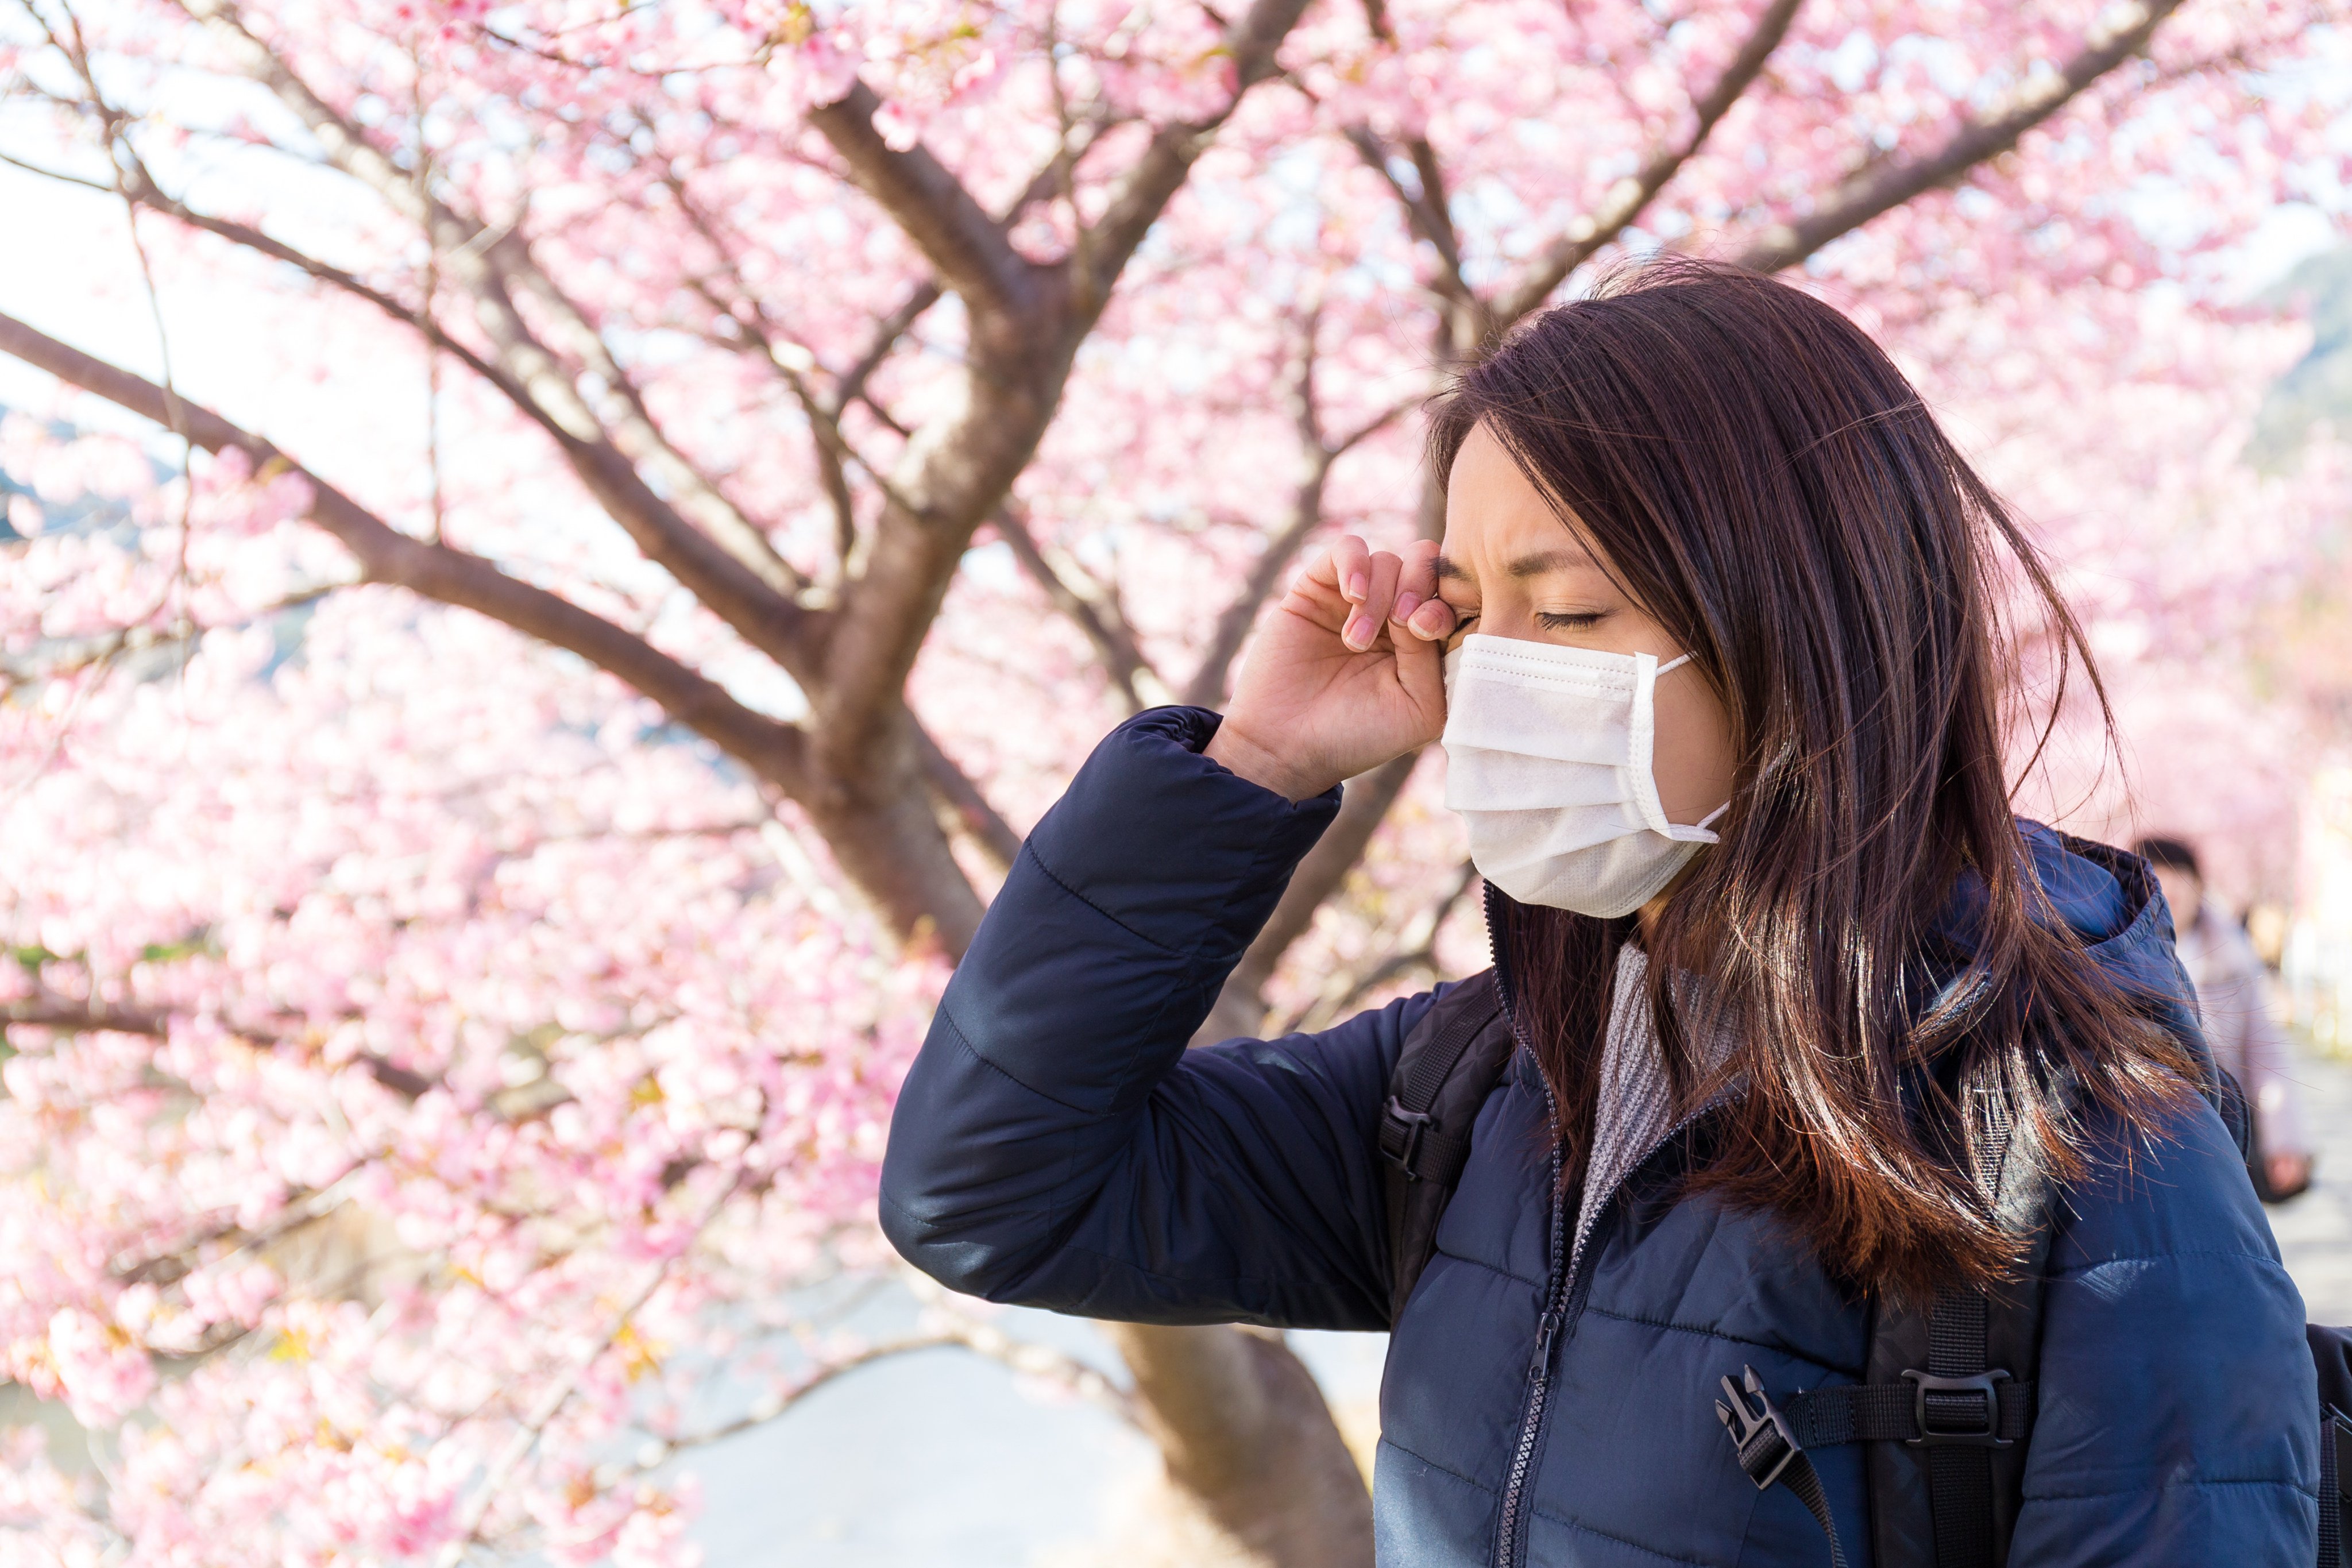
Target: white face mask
[[1547, 760]]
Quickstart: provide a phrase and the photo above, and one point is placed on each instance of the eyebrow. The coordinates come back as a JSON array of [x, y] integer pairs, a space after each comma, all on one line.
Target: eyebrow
[[1534, 565]]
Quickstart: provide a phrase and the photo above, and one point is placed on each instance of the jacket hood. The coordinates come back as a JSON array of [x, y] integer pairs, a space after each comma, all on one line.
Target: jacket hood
[[2107, 897]]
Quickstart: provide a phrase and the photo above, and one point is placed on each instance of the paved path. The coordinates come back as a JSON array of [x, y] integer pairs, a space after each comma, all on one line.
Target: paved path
[[2314, 1231]]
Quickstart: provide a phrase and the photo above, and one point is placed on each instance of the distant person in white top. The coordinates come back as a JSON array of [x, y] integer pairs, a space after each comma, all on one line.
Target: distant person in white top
[[2233, 994]]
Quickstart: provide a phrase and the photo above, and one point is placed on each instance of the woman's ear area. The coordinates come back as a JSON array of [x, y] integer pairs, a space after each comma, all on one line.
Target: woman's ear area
[[1692, 758]]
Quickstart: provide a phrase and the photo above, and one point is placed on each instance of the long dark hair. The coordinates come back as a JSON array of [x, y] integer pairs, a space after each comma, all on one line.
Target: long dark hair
[[1763, 481]]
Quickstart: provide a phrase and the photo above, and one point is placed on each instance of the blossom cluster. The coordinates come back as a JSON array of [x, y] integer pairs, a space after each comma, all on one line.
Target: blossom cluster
[[477, 1041], [428, 1065]]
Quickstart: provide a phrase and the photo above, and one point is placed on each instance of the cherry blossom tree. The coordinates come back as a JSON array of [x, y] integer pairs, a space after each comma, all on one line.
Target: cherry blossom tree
[[483, 827]]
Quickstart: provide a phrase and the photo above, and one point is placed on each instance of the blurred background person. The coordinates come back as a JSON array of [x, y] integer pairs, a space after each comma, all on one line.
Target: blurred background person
[[2234, 994]]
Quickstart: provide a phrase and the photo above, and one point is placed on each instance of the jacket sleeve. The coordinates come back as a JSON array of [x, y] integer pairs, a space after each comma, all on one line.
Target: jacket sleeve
[[1056, 1145], [2178, 1411]]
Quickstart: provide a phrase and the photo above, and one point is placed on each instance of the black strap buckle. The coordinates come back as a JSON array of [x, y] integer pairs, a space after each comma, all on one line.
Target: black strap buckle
[[1401, 1134], [1962, 1412], [1765, 1443]]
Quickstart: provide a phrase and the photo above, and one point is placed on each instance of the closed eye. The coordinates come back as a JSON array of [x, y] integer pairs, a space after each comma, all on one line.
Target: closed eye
[[1584, 621]]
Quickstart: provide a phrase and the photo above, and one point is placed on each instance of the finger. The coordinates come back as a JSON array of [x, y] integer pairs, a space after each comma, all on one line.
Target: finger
[[1364, 625], [1417, 582], [1432, 622], [1420, 667], [1351, 567]]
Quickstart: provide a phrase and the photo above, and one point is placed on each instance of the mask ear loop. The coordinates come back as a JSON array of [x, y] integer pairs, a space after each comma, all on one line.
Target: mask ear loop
[[1644, 729]]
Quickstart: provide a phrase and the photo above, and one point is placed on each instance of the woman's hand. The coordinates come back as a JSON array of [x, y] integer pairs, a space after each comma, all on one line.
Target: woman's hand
[[1347, 673], [2290, 1174]]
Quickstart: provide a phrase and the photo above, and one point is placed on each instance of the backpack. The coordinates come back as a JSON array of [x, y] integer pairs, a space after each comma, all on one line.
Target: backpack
[[1946, 1403]]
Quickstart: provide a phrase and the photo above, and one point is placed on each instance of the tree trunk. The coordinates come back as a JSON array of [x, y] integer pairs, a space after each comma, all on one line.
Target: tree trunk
[[1245, 1433], [883, 830]]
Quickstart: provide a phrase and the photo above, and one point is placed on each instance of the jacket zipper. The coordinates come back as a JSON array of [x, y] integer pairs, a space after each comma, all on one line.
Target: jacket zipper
[[1563, 1301], [1564, 1297], [1509, 1548]]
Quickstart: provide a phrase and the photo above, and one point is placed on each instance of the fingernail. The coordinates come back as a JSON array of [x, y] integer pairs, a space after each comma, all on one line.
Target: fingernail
[[1429, 623], [1357, 634], [1407, 603], [1358, 587]]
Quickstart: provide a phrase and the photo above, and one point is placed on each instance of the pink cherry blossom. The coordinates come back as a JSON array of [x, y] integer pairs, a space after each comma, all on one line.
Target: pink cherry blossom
[[435, 1064]]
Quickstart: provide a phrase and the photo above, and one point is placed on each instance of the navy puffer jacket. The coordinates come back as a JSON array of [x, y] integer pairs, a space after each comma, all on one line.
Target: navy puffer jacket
[[1056, 1145]]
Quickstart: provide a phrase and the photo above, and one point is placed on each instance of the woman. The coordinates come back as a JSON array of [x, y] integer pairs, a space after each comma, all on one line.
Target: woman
[[1711, 642]]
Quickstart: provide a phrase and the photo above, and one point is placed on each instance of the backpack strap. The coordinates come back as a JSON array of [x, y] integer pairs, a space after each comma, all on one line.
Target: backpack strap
[[2331, 1355], [1943, 1405], [1773, 1451], [1948, 1418], [2335, 1485], [1451, 1061], [1988, 1410], [2331, 1358]]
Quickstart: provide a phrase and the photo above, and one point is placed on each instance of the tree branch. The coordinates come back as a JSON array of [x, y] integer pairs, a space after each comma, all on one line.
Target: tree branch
[[1409, 949], [1099, 618], [771, 750], [968, 247], [1363, 805], [978, 819], [824, 413], [957, 470], [637, 434], [1425, 204], [1209, 679], [1029, 1360], [726, 563], [1251, 42], [68, 1017], [52, 658], [851, 387], [831, 446], [1630, 196], [1890, 185], [147, 193]]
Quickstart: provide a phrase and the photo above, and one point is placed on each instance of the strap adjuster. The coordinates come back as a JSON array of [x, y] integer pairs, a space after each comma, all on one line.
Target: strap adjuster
[[1956, 1411], [1765, 1443], [1401, 1132]]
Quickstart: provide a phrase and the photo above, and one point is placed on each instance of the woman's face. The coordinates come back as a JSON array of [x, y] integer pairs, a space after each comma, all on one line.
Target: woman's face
[[1509, 567]]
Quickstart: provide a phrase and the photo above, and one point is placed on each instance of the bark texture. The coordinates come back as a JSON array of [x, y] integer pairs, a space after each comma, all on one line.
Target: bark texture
[[1245, 1430]]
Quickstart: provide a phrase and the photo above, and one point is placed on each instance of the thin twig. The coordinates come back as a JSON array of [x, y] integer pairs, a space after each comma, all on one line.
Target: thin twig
[[551, 1404], [81, 653], [1093, 610], [1413, 949], [428, 306]]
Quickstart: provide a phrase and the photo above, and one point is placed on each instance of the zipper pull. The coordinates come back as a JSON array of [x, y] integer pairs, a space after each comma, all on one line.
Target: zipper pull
[[1545, 1328]]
